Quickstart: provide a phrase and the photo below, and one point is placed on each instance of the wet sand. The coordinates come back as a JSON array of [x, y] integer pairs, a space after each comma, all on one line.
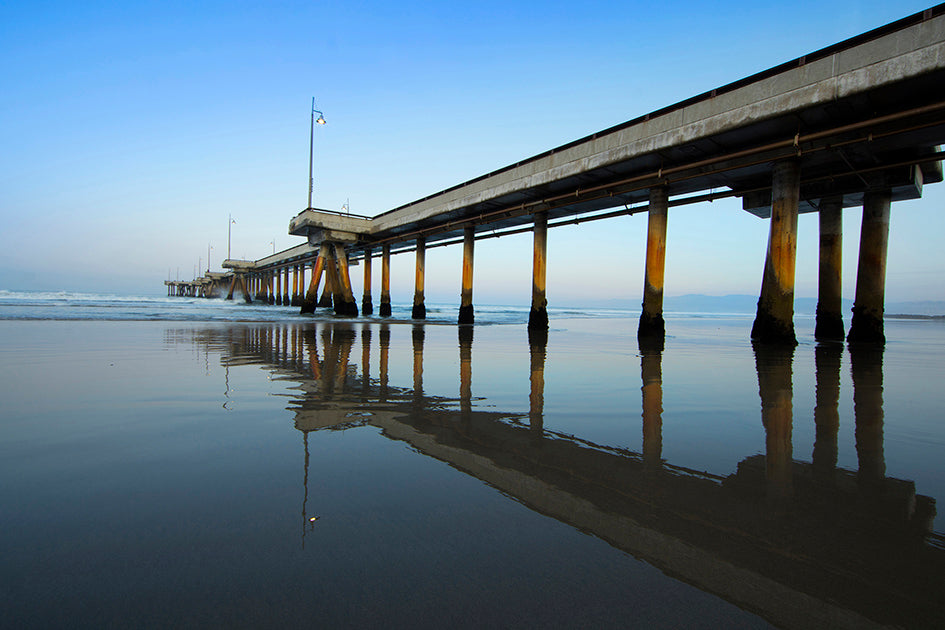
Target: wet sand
[[350, 474]]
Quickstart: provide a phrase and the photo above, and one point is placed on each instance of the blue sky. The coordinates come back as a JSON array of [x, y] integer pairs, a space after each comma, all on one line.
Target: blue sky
[[131, 130]]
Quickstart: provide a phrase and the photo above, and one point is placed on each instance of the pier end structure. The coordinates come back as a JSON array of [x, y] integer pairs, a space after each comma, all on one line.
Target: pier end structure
[[860, 116]]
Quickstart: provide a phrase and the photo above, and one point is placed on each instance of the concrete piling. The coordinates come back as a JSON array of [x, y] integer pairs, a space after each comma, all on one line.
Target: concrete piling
[[466, 315], [538, 315], [651, 319], [331, 274], [419, 308], [286, 298], [311, 295], [829, 323], [347, 306], [367, 308], [774, 322], [385, 281], [869, 300]]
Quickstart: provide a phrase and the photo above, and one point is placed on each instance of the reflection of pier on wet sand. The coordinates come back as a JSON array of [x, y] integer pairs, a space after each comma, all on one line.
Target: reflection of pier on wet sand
[[802, 544]]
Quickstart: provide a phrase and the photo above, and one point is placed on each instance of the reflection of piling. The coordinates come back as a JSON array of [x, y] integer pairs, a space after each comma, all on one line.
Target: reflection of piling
[[651, 370], [465, 367], [417, 337], [774, 365], [383, 375], [866, 369], [827, 358], [537, 345], [344, 339], [366, 359], [311, 343]]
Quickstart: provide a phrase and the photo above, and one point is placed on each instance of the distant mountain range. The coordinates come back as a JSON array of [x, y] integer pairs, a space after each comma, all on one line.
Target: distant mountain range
[[695, 303]]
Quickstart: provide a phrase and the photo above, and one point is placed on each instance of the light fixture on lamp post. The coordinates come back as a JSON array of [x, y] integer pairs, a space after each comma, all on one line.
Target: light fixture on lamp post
[[311, 147]]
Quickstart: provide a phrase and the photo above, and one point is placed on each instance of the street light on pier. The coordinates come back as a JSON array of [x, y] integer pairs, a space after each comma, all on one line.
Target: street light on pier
[[229, 234], [311, 147]]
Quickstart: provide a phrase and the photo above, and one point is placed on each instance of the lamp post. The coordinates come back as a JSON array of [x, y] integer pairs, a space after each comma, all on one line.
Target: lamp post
[[229, 233], [208, 257], [311, 147]]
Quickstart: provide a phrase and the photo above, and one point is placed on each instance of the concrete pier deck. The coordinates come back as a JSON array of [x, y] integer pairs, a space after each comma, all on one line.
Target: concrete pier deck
[[866, 112]]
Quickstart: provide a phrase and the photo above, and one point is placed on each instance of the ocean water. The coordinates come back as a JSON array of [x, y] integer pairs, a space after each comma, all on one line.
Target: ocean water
[[196, 463]]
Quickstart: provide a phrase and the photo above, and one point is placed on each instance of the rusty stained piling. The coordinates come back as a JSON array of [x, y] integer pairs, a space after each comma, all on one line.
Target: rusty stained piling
[[419, 308], [385, 281], [869, 300], [538, 315], [295, 286], [367, 307], [466, 315], [286, 298], [774, 322], [651, 319], [331, 275], [829, 323], [347, 306], [311, 294]]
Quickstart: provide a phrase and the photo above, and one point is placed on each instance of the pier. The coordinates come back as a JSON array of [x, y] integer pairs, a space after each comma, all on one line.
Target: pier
[[854, 125]]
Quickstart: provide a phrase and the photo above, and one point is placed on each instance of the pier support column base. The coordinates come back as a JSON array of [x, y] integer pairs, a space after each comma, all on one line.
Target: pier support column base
[[828, 327], [367, 308], [419, 311], [308, 306], [346, 309], [538, 319], [651, 327], [770, 329], [385, 309], [466, 315], [866, 326]]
